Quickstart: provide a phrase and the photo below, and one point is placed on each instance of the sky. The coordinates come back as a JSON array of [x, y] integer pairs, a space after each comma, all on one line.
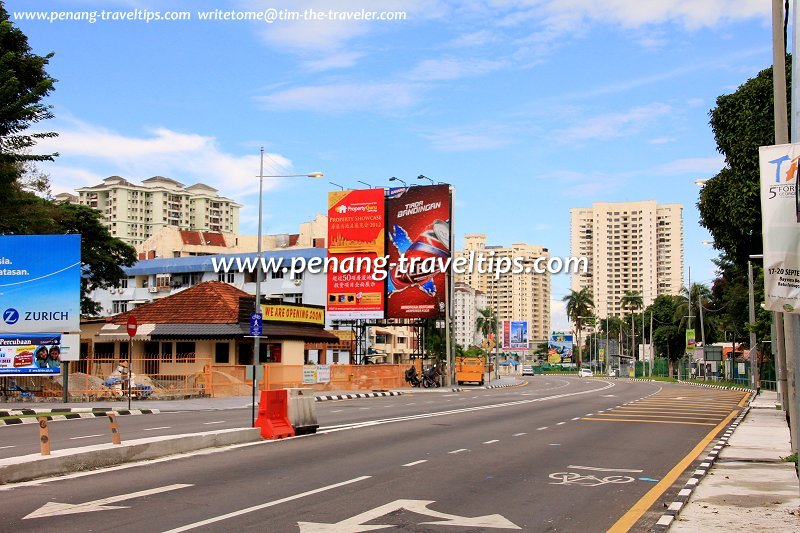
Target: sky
[[528, 107]]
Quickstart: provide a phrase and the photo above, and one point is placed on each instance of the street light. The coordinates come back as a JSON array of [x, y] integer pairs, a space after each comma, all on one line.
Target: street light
[[336, 185], [257, 310], [421, 177], [700, 182], [398, 179], [365, 183]]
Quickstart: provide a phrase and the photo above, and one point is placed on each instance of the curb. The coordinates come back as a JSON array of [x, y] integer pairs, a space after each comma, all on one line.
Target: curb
[[743, 389], [685, 493], [354, 396], [69, 415], [503, 386]]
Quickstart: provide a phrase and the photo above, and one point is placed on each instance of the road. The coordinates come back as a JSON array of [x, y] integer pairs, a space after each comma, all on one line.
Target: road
[[559, 454]]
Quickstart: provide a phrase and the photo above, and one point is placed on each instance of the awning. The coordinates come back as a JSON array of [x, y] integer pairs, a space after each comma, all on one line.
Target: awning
[[196, 331], [383, 332], [119, 333]]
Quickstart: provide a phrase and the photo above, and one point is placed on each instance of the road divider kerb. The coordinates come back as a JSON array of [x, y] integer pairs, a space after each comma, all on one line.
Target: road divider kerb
[[70, 415], [356, 396]]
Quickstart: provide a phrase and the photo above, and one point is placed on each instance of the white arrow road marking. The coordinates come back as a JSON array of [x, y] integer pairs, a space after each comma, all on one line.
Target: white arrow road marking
[[355, 524], [55, 509], [265, 505]]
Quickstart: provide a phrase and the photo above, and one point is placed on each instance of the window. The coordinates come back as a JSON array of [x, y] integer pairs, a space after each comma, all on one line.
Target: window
[[228, 278], [277, 274], [119, 306], [381, 338], [166, 352], [184, 352]]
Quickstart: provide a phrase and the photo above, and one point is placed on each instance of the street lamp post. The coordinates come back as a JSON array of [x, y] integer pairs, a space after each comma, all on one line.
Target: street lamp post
[[398, 179], [365, 183], [257, 307], [336, 185], [421, 177]]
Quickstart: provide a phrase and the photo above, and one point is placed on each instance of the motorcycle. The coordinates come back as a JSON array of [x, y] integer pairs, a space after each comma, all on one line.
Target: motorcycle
[[430, 378], [412, 377]]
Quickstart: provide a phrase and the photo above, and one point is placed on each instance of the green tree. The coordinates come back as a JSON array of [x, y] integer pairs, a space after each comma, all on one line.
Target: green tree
[[632, 300], [486, 323], [24, 82], [669, 337], [579, 305]]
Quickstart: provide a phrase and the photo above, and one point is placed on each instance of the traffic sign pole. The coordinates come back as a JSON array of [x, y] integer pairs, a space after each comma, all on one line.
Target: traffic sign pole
[[132, 326]]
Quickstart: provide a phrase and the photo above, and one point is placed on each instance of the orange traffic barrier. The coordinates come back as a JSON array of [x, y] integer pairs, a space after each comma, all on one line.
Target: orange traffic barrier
[[273, 415]]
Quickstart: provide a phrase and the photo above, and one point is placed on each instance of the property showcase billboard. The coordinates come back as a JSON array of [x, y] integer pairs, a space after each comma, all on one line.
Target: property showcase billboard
[[29, 354], [559, 349], [418, 223], [40, 283], [780, 215], [515, 335], [356, 237]]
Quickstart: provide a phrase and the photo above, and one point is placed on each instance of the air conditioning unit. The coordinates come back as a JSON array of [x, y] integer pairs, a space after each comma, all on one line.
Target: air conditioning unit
[[152, 289]]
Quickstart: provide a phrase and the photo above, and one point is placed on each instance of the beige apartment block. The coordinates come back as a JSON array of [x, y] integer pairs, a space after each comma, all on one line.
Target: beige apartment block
[[135, 212], [523, 296], [467, 305], [630, 246]]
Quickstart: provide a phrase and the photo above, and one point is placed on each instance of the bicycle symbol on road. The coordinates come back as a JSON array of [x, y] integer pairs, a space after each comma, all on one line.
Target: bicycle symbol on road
[[574, 478]]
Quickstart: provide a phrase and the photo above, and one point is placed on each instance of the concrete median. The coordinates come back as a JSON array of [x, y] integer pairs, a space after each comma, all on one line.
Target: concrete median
[[34, 466]]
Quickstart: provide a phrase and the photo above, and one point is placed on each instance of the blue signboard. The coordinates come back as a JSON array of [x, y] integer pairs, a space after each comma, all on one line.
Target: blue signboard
[[30, 354], [40, 283], [256, 324]]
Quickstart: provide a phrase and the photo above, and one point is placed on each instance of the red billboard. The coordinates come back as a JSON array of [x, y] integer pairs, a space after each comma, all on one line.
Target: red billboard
[[418, 223], [355, 240]]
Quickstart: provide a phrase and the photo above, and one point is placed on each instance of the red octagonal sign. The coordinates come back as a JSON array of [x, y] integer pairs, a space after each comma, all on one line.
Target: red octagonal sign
[[132, 326]]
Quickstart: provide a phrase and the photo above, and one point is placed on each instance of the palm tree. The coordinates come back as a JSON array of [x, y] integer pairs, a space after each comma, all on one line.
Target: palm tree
[[632, 300], [486, 323], [579, 305]]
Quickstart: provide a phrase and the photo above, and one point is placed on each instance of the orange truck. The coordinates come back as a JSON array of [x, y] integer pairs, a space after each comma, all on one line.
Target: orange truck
[[470, 369]]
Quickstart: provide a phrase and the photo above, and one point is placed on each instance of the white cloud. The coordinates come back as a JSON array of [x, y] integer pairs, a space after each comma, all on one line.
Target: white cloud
[[454, 68], [90, 153], [333, 61], [558, 316], [691, 165], [614, 125], [342, 97], [480, 137], [662, 140]]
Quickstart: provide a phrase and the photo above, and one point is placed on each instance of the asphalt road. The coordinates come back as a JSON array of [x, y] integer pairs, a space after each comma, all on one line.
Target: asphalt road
[[530, 459]]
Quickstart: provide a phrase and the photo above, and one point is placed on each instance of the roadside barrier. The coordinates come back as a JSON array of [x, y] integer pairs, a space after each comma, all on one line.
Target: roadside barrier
[[302, 411], [273, 415], [65, 415], [44, 431]]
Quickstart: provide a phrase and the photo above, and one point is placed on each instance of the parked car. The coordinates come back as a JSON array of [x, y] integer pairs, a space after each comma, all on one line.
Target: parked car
[[527, 370], [585, 373]]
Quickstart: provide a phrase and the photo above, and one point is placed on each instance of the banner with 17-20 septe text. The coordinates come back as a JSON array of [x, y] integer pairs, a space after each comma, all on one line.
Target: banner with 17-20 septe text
[[418, 222], [355, 237], [40, 283], [780, 227]]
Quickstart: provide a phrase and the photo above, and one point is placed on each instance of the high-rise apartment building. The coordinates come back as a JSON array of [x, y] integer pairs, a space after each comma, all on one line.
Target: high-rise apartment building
[[135, 212], [467, 305], [630, 246], [523, 296]]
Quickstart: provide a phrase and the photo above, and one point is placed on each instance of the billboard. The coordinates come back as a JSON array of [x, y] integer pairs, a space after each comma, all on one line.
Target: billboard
[[515, 335], [40, 283], [780, 214], [356, 237], [418, 222], [30, 354], [559, 348], [293, 313]]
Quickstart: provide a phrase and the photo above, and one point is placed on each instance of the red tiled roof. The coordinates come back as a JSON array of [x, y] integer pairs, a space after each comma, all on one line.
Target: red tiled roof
[[200, 238], [211, 302]]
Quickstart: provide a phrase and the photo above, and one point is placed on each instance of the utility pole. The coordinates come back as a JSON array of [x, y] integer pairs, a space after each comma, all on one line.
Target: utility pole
[[754, 378], [652, 345], [702, 332]]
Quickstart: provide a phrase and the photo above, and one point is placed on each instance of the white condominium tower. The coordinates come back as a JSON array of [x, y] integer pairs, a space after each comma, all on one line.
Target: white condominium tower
[[631, 246], [135, 212], [524, 297]]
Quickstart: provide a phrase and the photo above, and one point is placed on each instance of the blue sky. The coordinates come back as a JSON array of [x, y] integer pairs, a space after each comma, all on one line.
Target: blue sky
[[527, 107]]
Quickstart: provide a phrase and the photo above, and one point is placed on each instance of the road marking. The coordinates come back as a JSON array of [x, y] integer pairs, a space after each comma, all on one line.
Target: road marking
[[604, 469], [540, 429], [626, 522], [554, 445], [359, 522], [573, 478], [55, 509], [459, 450], [448, 395], [4, 447], [576, 418], [363, 408], [85, 437], [265, 505], [337, 411], [416, 462], [561, 423], [518, 434], [212, 423], [491, 441], [412, 403], [154, 429], [652, 415], [636, 421]]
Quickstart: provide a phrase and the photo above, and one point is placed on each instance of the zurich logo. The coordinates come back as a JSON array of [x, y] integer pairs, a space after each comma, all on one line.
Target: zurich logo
[[10, 316]]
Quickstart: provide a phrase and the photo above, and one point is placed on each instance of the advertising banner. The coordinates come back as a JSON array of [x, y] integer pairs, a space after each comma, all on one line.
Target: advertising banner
[[559, 348], [293, 313], [40, 283], [515, 335], [780, 228], [323, 373], [418, 222], [356, 238], [691, 343], [309, 374], [30, 354]]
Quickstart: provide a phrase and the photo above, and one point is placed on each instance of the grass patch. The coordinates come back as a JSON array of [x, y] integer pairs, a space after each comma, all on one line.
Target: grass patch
[[791, 458], [664, 378]]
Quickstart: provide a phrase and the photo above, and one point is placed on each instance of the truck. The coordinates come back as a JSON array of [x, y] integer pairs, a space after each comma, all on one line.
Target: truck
[[470, 369]]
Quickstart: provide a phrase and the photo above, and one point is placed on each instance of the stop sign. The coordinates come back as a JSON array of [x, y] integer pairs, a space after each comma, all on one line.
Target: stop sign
[[132, 326]]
